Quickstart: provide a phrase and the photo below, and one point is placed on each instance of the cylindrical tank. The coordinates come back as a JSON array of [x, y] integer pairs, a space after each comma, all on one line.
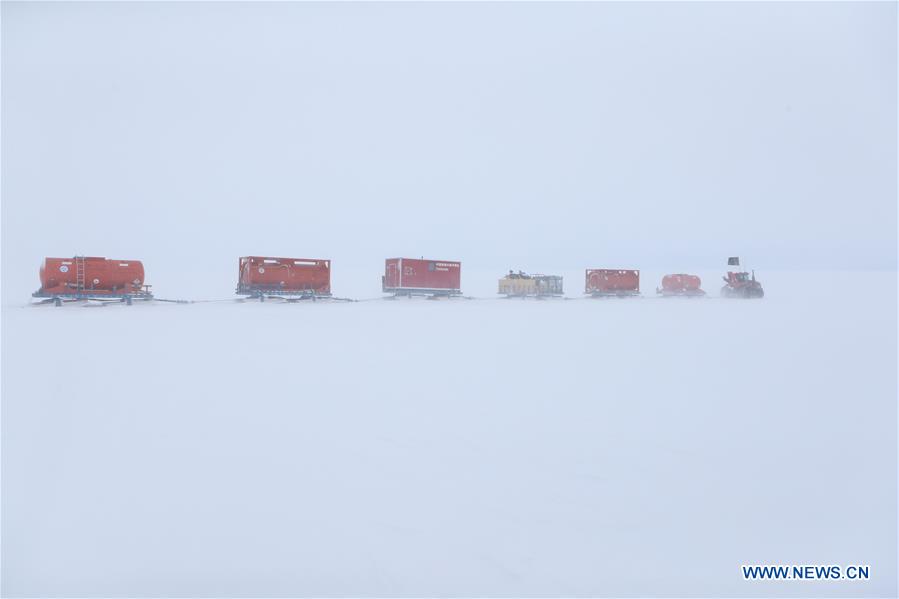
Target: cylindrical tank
[[71, 275], [681, 282], [289, 275]]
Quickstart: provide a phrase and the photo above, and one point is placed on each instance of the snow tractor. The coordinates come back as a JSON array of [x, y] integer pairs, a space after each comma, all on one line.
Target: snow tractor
[[740, 284]]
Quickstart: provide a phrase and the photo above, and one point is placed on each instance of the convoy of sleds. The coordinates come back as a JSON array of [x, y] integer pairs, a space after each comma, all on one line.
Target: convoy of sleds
[[100, 280]]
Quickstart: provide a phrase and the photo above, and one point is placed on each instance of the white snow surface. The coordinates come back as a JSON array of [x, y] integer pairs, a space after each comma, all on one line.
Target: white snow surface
[[453, 448]]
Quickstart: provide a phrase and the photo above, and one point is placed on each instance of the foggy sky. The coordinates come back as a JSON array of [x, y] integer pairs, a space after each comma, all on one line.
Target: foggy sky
[[644, 135]]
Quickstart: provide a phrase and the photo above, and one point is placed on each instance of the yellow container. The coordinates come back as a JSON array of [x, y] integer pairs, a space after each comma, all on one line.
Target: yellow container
[[522, 284], [517, 286]]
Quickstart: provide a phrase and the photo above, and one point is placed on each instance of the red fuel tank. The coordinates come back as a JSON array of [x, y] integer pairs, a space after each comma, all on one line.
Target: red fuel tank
[[605, 281], [92, 275], [681, 283], [283, 275]]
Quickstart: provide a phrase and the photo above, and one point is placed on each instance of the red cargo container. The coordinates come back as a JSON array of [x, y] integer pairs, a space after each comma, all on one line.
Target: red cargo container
[[681, 284], [617, 282], [410, 276], [261, 275], [91, 276]]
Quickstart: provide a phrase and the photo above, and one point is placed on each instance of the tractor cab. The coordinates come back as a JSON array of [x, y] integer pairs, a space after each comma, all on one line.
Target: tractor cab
[[736, 278]]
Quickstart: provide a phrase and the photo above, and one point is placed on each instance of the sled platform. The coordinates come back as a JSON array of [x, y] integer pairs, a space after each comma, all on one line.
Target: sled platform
[[397, 292], [59, 298], [691, 293], [290, 297], [618, 294]]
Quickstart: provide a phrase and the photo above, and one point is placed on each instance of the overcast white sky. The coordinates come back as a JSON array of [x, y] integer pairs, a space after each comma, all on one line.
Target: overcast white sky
[[641, 135]]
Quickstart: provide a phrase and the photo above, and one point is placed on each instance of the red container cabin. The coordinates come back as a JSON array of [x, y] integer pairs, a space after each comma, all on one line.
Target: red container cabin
[[612, 282], [681, 284], [264, 275], [92, 276], [411, 276]]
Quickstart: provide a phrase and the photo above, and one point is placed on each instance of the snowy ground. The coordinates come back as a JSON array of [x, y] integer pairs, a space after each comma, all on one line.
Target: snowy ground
[[561, 448]]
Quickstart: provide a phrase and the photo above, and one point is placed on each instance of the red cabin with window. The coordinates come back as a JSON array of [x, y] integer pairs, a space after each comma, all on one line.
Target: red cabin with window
[[410, 276]]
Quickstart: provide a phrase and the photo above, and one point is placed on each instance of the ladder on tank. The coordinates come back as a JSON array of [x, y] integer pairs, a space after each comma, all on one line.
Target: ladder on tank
[[79, 273]]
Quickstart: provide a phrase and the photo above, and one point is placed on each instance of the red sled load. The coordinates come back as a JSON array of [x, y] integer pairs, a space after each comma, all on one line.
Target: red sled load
[[293, 278], [411, 276], [681, 285], [605, 282], [91, 277]]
